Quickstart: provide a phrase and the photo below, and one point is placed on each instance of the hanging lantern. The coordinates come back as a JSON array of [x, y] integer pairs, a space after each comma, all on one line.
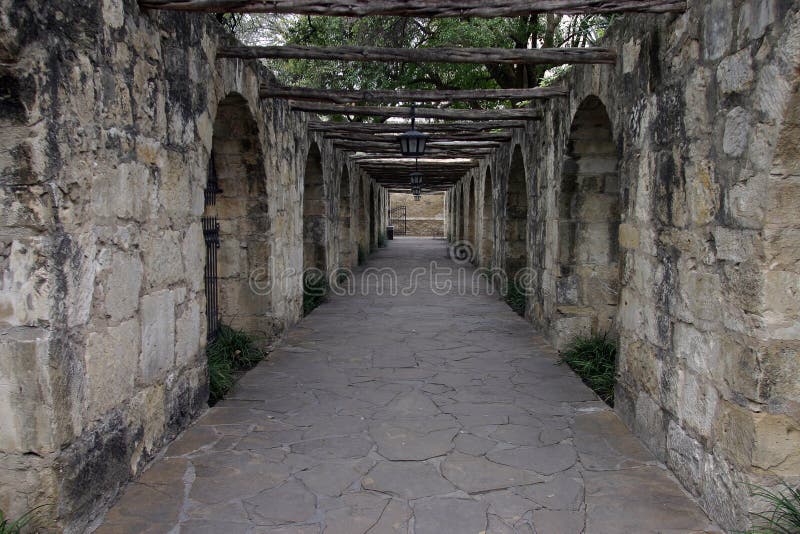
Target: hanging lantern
[[412, 143], [417, 197]]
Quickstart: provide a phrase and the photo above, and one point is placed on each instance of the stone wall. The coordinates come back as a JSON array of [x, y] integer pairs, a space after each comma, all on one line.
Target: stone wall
[[424, 217], [678, 233], [108, 119]]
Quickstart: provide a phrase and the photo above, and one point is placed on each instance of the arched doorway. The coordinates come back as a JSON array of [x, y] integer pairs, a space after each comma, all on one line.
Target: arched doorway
[[588, 224], [373, 224], [236, 221], [516, 232], [345, 216], [315, 210], [487, 230]]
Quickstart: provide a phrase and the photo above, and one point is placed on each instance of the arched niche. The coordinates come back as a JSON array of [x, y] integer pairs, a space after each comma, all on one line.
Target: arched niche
[[588, 220], [236, 210], [487, 228], [315, 213], [516, 227]]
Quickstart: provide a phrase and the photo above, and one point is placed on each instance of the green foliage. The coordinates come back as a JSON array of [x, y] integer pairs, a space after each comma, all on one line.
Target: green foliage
[[8, 526], [536, 31], [594, 360], [783, 517], [230, 353], [315, 290], [362, 254], [515, 297]]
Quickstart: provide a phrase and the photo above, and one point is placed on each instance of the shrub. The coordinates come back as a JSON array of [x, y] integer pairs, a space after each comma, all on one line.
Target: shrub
[[315, 289], [594, 360], [783, 517], [231, 352], [515, 297]]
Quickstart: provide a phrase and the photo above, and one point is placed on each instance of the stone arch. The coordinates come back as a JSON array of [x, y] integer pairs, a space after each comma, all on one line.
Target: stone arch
[[487, 233], [345, 219], [516, 231], [588, 221], [462, 212], [469, 220], [315, 210], [236, 200]]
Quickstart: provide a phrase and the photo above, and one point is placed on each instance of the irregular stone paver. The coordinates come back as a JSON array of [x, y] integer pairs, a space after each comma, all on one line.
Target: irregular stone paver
[[438, 515], [407, 480], [411, 413], [545, 460], [477, 475]]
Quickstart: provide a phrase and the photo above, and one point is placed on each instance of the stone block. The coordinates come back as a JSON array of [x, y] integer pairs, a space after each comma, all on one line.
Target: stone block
[[700, 350], [158, 336], [628, 236], [194, 257], [26, 407], [775, 447], [735, 73], [125, 192], [737, 245], [111, 357], [717, 29], [162, 259], [123, 285], [737, 131], [25, 289], [188, 338], [782, 248]]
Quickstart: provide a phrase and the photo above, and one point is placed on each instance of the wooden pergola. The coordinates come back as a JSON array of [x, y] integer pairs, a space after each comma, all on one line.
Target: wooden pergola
[[460, 138]]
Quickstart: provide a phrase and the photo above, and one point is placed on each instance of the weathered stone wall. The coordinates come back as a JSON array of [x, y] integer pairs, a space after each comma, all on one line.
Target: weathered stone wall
[[424, 217], [700, 280], [108, 118]]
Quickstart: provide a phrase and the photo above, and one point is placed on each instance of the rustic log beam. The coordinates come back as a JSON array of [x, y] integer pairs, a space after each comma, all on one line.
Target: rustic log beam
[[422, 113], [390, 143], [420, 8], [442, 137], [357, 97], [529, 56], [460, 127]]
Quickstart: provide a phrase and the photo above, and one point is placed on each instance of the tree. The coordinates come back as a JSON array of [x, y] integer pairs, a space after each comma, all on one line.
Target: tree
[[534, 31]]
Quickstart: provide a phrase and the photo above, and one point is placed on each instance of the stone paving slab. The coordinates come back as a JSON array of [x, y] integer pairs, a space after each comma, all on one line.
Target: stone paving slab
[[408, 414]]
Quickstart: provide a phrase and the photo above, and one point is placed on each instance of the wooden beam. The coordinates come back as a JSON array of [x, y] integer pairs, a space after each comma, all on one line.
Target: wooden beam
[[441, 137], [423, 113], [356, 97], [462, 127], [391, 143], [528, 56], [420, 8]]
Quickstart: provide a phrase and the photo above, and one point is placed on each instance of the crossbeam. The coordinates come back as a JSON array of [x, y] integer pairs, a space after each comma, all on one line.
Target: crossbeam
[[420, 8], [529, 56], [356, 97], [441, 137], [423, 113], [458, 127]]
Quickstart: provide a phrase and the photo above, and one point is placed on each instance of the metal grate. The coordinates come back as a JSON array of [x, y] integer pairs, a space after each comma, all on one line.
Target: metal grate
[[397, 218], [211, 237]]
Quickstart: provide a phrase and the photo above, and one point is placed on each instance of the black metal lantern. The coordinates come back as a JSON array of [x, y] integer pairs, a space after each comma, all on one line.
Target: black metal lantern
[[417, 197], [412, 143], [416, 178]]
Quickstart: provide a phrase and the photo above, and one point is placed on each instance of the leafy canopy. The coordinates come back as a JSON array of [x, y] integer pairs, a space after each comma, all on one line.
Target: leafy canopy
[[535, 31]]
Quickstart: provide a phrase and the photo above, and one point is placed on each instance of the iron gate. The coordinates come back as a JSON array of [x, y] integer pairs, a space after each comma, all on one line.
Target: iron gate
[[211, 238], [397, 218]]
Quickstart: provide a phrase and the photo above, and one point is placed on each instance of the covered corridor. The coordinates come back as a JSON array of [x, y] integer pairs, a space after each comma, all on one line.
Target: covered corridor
[[418, 406]]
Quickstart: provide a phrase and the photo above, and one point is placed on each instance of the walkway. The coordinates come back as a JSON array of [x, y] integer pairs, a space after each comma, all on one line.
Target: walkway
[[409, 413]]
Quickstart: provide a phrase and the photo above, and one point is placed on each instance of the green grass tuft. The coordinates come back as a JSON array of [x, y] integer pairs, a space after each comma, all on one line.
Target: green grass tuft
[[783, 517], [230, 353], [515, 298], [594, 360], [315, 290], [7, 526]]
